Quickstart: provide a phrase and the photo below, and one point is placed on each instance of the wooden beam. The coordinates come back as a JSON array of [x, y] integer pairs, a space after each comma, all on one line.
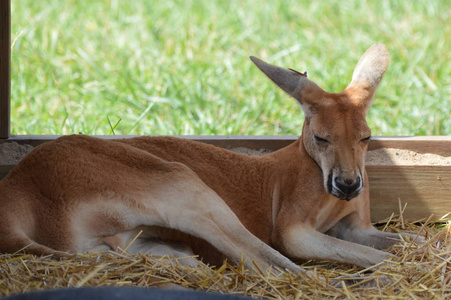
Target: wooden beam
[[5, 68], [224, 141], [440, 145], [425, 189]]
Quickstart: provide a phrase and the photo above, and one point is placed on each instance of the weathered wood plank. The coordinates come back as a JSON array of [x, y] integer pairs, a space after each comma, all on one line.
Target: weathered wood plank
[[425, 189], [440, 145]]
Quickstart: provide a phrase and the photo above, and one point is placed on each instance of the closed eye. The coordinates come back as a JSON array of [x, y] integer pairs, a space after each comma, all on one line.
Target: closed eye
[[367, 139], [320, 139]]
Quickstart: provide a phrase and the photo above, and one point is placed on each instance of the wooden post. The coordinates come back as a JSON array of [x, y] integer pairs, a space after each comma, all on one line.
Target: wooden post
[[5, 68]]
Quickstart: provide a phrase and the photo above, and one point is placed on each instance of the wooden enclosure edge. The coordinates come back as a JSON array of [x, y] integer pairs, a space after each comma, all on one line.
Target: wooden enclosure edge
[[425, 189], [440, 145]]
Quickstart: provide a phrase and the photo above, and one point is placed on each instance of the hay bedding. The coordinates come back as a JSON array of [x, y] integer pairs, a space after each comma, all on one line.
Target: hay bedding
[[422, 272]]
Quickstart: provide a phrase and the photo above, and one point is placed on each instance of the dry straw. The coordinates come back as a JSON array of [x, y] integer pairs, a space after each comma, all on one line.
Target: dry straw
[[415, 272]]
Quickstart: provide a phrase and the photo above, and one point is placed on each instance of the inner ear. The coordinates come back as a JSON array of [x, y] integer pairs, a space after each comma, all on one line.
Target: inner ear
[[309, 109], [371, 67], [367, 75]]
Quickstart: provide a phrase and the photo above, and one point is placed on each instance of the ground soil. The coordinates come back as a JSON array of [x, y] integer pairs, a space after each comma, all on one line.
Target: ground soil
[[382, 157], [12, 153]]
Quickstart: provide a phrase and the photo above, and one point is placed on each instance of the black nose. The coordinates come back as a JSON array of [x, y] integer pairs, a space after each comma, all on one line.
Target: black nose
[[346, 186]]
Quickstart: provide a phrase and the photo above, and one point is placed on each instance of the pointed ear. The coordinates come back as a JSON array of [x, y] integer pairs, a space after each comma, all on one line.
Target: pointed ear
[[368, 74], [293, 83]]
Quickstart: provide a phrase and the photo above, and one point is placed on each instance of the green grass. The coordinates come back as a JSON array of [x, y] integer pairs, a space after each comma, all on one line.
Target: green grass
[[182, 67]]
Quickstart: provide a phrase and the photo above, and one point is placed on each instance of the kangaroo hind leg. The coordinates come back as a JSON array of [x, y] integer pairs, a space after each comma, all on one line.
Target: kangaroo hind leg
[[14, 243], [146, 240], [190, 206]]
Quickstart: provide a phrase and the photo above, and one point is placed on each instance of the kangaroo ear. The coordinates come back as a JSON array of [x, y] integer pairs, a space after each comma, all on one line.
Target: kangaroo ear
[[293, 83], [368, 74]]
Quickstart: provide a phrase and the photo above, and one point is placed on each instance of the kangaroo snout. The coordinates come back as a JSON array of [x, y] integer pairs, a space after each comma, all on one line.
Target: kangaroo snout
[[345, 188]]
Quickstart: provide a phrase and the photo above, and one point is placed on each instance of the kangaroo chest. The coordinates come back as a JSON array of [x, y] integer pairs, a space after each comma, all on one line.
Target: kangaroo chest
[[331, 211]]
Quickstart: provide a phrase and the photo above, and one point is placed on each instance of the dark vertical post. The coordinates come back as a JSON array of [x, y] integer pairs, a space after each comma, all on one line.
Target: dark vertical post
[[5, 68]]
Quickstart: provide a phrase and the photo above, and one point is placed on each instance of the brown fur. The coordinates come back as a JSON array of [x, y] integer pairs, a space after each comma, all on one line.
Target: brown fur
[[80, 193]]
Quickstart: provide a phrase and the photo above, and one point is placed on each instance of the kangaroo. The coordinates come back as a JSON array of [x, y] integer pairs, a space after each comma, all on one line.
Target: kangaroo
[[309, 200]]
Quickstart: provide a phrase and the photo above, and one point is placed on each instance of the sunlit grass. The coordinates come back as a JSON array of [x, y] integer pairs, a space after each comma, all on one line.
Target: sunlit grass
[[182, 67]]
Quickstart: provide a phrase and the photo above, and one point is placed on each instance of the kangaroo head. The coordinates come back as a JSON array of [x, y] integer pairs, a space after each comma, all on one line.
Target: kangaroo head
[[335, 132]]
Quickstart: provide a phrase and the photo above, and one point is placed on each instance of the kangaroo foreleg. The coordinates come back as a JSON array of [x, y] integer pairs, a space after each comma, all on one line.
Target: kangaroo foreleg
[[349, 229], [302, 242]]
